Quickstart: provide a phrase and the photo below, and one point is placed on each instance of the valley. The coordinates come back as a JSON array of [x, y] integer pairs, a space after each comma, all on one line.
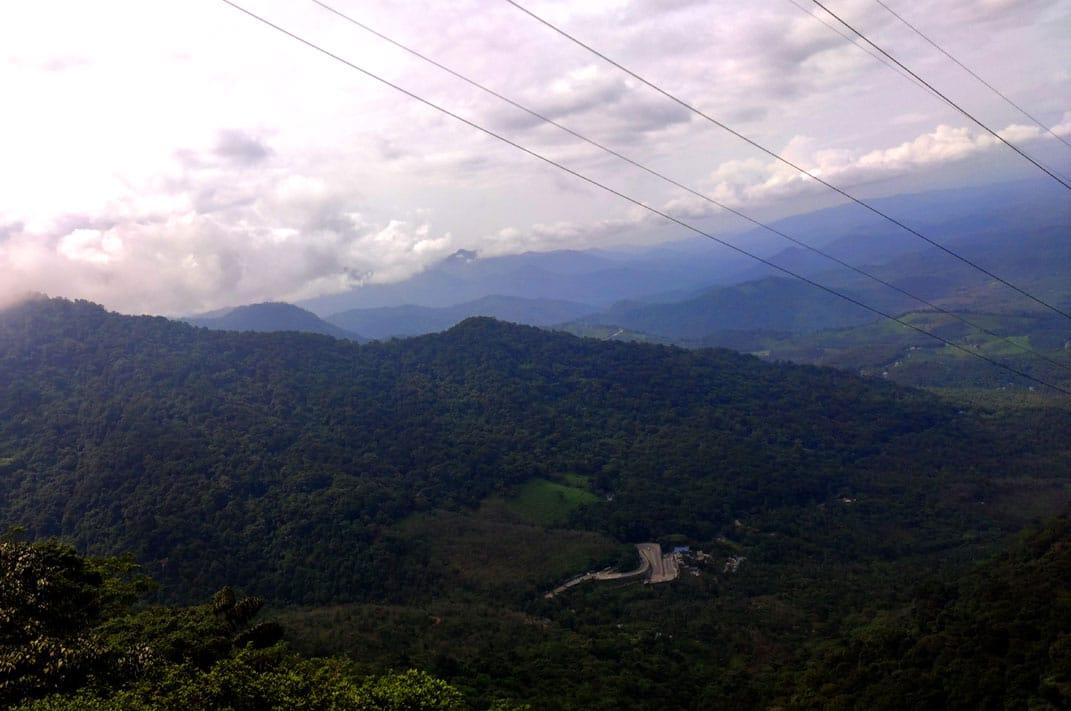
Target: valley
[[535, 356], [412, 502]]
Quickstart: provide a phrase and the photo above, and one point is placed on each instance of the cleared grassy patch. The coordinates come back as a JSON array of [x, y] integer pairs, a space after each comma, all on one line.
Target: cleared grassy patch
[[494, 549], [550, 503], [577, 480]]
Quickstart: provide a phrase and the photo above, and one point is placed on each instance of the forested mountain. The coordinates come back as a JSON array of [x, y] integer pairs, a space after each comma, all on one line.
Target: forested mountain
[[888, 350], [422, 494], [269, 317], [152, 434], [387, 322], [773, 304], [1038, 255], [780, 319]]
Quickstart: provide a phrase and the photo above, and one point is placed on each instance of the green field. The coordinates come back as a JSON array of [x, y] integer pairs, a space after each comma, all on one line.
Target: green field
[[496, 549], [888, 350], [550, 503]]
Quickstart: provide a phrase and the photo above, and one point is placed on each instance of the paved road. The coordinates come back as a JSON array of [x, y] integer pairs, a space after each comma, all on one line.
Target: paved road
[[664, 568], [641, 572], [654, 568]]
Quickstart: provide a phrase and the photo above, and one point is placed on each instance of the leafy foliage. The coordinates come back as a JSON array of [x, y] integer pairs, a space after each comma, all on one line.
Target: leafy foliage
[[286, 460], [998, 638], [380, 485], [49, 598], [70, 640]]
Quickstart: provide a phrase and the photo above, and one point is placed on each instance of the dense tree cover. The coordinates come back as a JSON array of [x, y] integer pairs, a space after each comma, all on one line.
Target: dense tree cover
[[771, 635], [113, 656], [281, 460], [909, 357], [999, 638], [391, 476], [70, 639]]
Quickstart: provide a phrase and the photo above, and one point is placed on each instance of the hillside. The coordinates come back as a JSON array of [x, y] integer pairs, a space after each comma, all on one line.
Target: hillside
[[998, 637], [780, 319], [905, 356], [458, 476], [269, 317], [76, 637], [772, 304], [247, 428], [387, 322]]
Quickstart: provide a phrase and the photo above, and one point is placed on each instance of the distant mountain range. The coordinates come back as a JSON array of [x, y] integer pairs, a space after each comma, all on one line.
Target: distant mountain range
[[271, 316], [595, 277], [409, 320], [687, 292], [771, 304], [1029, 249], [680, 269]]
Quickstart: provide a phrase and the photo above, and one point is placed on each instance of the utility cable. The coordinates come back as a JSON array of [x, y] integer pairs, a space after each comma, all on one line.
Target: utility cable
[[852, 41], [634, 201], [947, 100], [974, 74], [635, 163], [794, 166]]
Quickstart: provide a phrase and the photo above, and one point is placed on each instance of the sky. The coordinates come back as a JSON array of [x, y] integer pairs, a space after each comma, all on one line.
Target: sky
[[175, 157]]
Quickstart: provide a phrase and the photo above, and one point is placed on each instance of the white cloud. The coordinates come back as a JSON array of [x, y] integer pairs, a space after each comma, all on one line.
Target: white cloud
[[1064, 127], [760, 182], [226, 164], [91, 246], [292, 237]]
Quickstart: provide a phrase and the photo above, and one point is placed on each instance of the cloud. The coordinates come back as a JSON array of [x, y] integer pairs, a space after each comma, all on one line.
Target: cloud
[[201, 176], [564, 234], [1064, 127], [760, 182], [10, 229], [92, 246], [241, 148], [296, 237], [603, 101]]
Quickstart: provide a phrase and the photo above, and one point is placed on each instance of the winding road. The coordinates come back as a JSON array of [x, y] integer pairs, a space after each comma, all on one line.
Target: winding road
[[654, 568]]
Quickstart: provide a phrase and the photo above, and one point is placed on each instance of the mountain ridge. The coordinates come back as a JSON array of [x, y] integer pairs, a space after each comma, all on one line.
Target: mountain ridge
[[411, 320], [270, 316]]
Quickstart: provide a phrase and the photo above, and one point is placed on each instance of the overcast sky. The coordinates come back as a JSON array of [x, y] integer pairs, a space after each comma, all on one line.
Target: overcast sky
[[172, 157]]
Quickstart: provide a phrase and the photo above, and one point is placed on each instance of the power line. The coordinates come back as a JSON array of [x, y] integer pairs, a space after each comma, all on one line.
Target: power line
[[974, 74], [635, 163], [794, 166], [634, 201], [947, 100], [854, 43], [852, 40]]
